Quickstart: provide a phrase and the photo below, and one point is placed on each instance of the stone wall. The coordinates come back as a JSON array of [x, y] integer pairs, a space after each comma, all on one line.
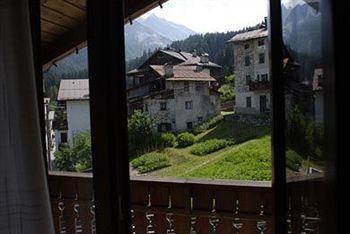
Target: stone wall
[[255, 69]]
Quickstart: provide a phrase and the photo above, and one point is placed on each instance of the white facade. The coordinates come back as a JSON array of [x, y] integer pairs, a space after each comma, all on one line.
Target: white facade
[[78, 118], [187, 108]]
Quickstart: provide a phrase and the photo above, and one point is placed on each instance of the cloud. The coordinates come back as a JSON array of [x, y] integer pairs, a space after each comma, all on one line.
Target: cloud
[[213, 15]]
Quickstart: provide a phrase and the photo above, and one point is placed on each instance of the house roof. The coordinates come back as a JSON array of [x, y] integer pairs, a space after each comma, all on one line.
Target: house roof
[[73, 90], [184, 73], [188, 58], [258, 33]]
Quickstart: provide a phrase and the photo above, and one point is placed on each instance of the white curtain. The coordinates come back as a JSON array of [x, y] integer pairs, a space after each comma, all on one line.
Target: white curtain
[[24, 198]]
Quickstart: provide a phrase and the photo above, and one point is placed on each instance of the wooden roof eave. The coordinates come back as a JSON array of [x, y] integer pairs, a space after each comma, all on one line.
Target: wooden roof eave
[[76, 38]]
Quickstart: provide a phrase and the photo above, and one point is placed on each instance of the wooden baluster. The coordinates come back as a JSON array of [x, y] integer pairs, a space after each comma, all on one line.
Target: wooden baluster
[[132, 222], [261, 224], [93, 220], [237, 222], [303, 216], [169, 217], [77, 221], [310, 217], [289, 217], [61, 220], [213, 220], [149, 216], [193, 219]]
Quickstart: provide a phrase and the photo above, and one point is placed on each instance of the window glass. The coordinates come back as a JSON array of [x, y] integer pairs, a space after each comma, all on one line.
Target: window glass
[[247, 61], [249, 101]]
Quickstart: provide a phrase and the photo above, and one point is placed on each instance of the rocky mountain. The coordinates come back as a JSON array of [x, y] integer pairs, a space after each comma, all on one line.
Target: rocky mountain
[[151, 33], [167, 28], [302, 35], [139, 38]]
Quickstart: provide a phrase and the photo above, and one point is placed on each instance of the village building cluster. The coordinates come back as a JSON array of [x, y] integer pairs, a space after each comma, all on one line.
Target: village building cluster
[[180, 90]]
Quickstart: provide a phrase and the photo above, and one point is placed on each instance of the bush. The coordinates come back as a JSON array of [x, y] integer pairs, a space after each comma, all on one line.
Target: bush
[[293, 160], [150, 162], [209, 146], [227, 93], [77, 158], [168, 139], [185, 139], [141, 138], [208, 124]]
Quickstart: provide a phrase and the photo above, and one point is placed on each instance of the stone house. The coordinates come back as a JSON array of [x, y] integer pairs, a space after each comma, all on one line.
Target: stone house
[[178, 97], [73, 96], [252, 84]]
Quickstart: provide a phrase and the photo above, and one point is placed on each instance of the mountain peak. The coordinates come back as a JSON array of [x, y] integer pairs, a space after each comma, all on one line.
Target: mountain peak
[[153, 15]]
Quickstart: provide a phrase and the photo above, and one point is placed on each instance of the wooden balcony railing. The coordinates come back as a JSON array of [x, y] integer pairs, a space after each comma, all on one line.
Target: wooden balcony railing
[[168, 205]]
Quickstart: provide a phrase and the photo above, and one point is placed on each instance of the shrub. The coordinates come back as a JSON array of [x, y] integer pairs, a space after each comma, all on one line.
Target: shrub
[[293, 160], [208, 124], [209, 146], [150, 162], [227, 92], [185, 139], [141, 138], [168, 139], [77, 158]]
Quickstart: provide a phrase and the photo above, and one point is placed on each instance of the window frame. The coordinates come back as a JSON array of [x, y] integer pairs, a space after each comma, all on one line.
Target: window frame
[[190, 106], [163, 106], [248, 100], [261, 58]]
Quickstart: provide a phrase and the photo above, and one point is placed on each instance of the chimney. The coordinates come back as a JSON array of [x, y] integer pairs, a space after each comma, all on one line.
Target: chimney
[[199, 68], [204, 58], [194, 53], [168, 70]]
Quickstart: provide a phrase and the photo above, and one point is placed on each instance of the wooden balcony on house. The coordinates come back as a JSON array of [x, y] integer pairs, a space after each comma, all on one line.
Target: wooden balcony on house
[[259, 85]]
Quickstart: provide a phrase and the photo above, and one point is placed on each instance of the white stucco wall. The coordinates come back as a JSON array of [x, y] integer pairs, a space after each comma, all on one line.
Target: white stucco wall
[[78, 118], [204, 105]]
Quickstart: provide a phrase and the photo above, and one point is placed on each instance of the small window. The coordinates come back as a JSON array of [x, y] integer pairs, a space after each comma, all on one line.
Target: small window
[[247, 61], [246, 46], [164, 127], [198, 86], [146, 107], [249, 102], [261, 42], [163, 106], [258, 77], [189, 125], [264, 77], [64, 137], [187, 86], [247, 79], [261, 58], [200, 119], [188, 105]]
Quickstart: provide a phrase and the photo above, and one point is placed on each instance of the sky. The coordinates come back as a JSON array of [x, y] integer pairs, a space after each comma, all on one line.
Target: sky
[[205, 16]]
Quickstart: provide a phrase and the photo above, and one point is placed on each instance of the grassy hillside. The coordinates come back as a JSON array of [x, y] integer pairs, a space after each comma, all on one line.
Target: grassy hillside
[[246, 157]]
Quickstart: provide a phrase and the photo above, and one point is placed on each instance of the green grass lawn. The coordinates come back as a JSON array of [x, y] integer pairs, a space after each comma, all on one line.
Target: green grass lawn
[[248, 157]]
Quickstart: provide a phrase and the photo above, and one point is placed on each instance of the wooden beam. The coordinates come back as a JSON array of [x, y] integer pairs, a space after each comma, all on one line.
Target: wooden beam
[[109, 139], [76, 38]]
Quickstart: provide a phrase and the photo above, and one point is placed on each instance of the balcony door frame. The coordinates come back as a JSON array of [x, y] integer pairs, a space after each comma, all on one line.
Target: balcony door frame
[[109, 112]]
